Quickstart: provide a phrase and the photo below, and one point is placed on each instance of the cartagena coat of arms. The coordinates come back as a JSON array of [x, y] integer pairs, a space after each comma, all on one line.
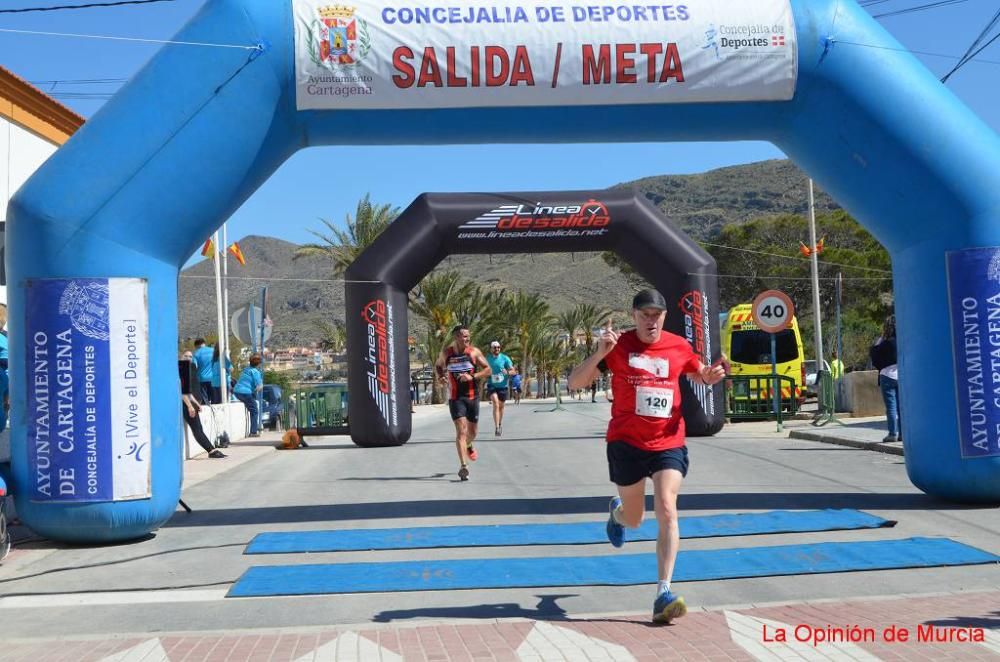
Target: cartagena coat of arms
[[87, 304], [337, 38]]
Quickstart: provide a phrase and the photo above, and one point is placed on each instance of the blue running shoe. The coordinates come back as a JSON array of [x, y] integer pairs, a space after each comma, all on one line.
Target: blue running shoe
[[616, 531], [667, 607]]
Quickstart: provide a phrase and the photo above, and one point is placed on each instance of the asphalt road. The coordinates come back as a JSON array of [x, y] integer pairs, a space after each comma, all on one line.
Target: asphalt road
[[548, 467]]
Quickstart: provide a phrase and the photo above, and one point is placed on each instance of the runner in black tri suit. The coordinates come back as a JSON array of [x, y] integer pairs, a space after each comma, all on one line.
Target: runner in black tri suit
[[457, 365]]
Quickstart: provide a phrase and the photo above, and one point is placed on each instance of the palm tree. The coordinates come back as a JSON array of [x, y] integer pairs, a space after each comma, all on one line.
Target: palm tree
[[570, 321], [343, 246], [591, 316], [529, 318], [493, 321], [332, 337], [435, 301], [438, 297]]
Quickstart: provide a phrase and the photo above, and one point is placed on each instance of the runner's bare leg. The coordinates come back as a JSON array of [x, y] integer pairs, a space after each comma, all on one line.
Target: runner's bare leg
[[666, 486]]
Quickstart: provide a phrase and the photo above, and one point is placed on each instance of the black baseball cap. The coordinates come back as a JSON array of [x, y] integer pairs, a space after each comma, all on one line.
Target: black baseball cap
[[649, 299]]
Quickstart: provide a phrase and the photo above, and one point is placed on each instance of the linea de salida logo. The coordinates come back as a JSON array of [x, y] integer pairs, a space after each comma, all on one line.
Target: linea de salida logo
[[376, 317], [692, 306], [590, 214]]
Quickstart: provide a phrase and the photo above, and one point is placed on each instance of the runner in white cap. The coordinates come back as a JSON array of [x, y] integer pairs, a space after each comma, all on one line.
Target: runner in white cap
[[646, 433], [496, 386]]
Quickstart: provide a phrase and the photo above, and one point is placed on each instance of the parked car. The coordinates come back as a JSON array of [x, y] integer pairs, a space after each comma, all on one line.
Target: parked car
[[273, 409], [811, 376]]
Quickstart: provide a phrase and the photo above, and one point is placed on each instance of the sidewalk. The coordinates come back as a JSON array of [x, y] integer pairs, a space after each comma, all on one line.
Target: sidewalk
[[951, 626], [864, 433], [164, 597], [28, 548]]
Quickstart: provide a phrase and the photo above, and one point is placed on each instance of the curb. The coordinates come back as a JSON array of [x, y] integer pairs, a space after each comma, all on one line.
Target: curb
[[876, 446]]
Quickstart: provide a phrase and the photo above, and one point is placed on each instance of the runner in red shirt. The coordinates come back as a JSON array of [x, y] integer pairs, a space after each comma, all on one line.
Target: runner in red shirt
[[456, 365], [646, 433]]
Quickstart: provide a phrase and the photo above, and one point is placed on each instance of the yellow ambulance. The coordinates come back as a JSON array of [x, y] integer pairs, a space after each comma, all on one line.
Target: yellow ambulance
[[749, 352]]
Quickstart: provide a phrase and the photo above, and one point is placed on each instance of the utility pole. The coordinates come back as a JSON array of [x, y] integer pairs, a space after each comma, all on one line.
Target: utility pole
[[224, 341], [218, 311], [815, 282]]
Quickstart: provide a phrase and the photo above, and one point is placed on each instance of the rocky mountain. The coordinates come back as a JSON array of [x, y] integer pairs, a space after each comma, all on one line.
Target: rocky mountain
[[303, 291]]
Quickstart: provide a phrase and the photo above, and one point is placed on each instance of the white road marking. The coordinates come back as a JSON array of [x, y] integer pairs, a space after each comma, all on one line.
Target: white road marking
[[549, 642], [110, 598], [747, 631], [148, 651], [992, 641], [350, 647]]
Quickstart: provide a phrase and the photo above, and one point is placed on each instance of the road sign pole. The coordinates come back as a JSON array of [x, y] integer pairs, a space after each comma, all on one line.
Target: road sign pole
[[774, 376], [772, 312]]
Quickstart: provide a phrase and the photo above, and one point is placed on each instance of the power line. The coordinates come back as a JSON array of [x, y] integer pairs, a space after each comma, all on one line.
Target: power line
[[139, 39], [776, 277], [282, 280], [910, 10], [79, 81], [907, 50], [91, 5], [793, 257], [972, 51], [80, 95]]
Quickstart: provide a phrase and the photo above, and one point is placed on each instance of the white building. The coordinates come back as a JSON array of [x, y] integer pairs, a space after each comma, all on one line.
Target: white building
[[32, 127]]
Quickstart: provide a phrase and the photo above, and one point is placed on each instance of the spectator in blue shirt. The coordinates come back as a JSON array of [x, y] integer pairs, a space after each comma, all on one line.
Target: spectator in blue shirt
[[4, 381], [203, 361], [251, 382], [216, 380]]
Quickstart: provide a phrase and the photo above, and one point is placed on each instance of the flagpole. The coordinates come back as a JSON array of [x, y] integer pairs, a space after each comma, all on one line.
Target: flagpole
[[818, 331], [224, 352], [218, 311]]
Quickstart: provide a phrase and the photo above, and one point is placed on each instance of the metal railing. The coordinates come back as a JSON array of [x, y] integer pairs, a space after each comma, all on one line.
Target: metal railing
[[752, 396], [318, 410], [827, 400]]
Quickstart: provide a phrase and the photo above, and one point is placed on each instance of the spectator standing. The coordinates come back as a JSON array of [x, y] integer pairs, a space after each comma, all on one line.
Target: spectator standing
[[515, 385], [190, 406], [216, 377], [883, 356], [251, 382], [836, 366], [203, 361], [4, 375]]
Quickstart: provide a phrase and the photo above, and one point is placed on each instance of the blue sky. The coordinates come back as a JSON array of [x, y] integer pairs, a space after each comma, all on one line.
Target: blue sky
[[299, 193]]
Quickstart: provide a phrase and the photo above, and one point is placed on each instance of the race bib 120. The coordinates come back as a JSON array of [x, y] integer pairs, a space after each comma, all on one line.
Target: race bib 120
[[656, 402]]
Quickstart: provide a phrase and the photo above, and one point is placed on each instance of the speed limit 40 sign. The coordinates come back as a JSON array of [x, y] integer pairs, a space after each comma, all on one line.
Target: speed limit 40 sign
[[773, 311]]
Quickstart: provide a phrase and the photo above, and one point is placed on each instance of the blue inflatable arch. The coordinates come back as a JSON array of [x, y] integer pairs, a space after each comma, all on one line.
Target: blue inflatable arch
[[113, 215]]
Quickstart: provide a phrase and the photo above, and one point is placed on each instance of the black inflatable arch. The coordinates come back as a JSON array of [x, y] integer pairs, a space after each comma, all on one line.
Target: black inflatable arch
[[436, 225]]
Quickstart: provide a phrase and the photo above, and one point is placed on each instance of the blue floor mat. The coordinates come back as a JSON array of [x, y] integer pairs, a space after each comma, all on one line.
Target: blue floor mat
[[572, 533], [606, 570]]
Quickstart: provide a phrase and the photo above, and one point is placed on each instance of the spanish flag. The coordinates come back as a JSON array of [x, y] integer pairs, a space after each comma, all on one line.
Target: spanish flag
[[209, 248], [238, 254]]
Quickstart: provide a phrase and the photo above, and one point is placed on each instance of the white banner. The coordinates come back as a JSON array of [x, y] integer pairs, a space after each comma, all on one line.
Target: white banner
[[131, 445], [87, 346], [478, 53]]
